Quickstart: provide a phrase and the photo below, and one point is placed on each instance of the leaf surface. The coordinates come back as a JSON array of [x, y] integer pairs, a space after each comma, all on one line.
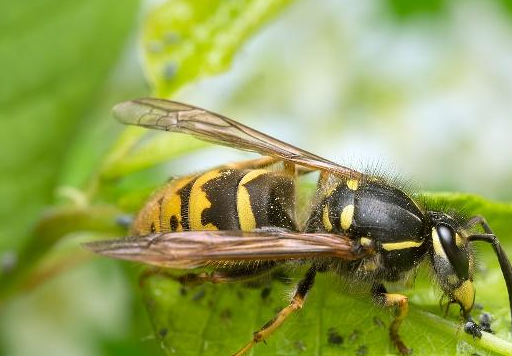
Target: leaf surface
[[219, 319], [188, 40]]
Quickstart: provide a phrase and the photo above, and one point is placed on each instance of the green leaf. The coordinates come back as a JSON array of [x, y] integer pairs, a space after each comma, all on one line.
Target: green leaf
[[219, 319], [54, 59], [406, 9], [161, 148], [188, 40]]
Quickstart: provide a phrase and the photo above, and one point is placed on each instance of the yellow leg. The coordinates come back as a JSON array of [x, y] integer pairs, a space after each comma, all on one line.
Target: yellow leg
[[296, 303], [401, 302]]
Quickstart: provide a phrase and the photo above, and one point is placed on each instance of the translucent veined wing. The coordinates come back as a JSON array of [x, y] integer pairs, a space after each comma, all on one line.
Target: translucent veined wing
[[192, 249], [177, 117]]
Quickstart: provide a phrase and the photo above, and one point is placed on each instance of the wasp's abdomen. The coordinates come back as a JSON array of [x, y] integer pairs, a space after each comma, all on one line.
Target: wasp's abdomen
[[227, 199]]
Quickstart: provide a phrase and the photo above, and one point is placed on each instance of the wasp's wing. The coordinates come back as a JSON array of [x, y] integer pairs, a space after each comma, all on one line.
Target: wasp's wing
[[191, 249], [173, 116]]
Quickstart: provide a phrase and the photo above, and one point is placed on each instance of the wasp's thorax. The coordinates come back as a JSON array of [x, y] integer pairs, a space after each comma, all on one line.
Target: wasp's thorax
[[452, 260]]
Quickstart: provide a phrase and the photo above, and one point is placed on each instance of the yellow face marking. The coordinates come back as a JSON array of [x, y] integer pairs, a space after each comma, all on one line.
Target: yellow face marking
[[199, 201], [243, 201], [438, 248], [465, 295], [346, 217], [148, 218], [325, 218], [171, 204], [390, 246], [366, 241], [352, 184]]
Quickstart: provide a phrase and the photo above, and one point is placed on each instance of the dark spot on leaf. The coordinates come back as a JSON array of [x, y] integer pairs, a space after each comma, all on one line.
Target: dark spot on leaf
[[162, 332], [171, 38], [334, 337], [240, 295], [226, 315], [169, 71], [199, 295], [354, 336], [473, 329], [362, 351], [183, 291], [124, 221], [150, 303], [378, 321], [155, 47], [485, 321], [265, 292], [299, 345], [8, 261]]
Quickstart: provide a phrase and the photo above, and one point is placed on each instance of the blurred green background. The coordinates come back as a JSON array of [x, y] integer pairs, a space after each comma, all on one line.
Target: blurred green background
[[421, 89]]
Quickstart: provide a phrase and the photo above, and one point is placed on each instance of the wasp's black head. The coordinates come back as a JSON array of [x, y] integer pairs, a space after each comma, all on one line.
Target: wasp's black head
[[452, 259]]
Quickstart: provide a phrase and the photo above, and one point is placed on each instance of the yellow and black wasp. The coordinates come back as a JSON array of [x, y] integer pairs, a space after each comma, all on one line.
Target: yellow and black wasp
[[360, 227]]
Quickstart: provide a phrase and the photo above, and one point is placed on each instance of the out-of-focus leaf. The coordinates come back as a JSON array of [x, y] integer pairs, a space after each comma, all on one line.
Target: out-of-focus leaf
[[54, 58], [405, 9], [188, 40], [52, 226], [161, 148], [219, 319]]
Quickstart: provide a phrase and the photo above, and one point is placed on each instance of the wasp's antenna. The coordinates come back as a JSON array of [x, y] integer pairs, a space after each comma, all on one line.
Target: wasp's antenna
[[506, 269]]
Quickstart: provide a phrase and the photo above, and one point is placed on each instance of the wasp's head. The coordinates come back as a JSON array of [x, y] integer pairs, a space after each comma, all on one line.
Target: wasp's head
[[452, 259]]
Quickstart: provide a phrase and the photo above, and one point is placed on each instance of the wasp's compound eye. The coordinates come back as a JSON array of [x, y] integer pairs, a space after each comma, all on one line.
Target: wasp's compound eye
[[457, 257]]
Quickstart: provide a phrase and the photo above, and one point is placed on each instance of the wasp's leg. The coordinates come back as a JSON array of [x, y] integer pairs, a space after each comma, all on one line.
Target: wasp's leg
[[296, 303], [217, 277], [382, 297], [479, 220]]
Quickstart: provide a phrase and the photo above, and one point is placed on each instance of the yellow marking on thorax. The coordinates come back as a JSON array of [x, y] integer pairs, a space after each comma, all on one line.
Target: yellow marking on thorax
[[390, 246], [243, 201], [199, 201], [171, 204], [366, 241], [353, 184], [346, 217], [325, 218]]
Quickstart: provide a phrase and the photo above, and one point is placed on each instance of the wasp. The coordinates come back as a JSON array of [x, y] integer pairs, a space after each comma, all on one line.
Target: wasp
[[240, 222]]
